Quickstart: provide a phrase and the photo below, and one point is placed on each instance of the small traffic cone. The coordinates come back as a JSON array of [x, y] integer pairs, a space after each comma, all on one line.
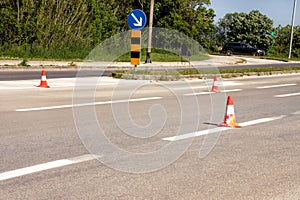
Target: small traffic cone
[[229, 119], [215, 87], [43, 80]]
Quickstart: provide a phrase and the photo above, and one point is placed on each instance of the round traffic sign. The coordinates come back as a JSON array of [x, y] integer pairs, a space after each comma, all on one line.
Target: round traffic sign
[[136, 19]]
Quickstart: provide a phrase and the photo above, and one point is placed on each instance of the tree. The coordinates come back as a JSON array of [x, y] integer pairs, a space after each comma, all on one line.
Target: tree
[[103, 20], [36, 27], [282, 41], [8, 15], [253, 28], [189, 17]]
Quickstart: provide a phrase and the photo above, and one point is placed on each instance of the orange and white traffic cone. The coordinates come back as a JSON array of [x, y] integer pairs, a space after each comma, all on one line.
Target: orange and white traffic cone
[[44, 80], [229, 119], [215, 87]]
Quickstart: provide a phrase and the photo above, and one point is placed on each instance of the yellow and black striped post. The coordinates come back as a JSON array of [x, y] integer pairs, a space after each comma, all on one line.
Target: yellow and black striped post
[[135, 50]]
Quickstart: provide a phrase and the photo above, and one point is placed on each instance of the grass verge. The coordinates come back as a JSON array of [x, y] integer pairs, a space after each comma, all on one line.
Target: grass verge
[[178, 74]]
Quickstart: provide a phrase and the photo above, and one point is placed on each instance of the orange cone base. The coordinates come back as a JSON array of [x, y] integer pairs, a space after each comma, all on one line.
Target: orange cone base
[[230, 126], [44, 85], [214, 89]]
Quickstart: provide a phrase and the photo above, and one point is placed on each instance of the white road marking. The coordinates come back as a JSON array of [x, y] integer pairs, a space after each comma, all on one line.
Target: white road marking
[[296, 113], [233, 90], [55, 83], [209, 85], [87, 104], [195, 134], [45, 166], [231, 83], [218, 129], [18, 88], [263, 120], [275, 86], [288, 95], [198, 93], [204, 93], [191, 87]]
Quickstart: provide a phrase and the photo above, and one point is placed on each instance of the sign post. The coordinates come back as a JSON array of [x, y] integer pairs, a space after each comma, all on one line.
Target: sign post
[[136, 21], [273, 41], [135, 48]]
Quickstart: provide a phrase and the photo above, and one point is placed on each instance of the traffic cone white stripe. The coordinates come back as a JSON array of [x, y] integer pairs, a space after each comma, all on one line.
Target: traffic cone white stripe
[[229, 119], [215, 87], [44, 78]]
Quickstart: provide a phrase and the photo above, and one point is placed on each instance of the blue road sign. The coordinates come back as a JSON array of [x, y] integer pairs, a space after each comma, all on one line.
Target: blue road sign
[[136, 19]]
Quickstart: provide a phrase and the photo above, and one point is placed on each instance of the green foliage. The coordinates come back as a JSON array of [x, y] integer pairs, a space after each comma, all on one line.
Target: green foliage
[[7, 23], [65, 29], [253, 28], [46, 28], [189, 17], [238, 70], [24, 63], [296, 42], [282, 42], [60, 29], [103, 21]]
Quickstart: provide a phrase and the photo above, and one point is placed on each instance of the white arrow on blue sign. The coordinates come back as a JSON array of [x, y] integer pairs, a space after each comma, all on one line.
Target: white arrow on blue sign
[[136, 19]]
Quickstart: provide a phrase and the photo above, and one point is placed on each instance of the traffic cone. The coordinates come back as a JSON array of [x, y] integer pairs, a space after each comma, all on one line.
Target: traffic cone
[[229, 119], [215, 87], [43, 80]]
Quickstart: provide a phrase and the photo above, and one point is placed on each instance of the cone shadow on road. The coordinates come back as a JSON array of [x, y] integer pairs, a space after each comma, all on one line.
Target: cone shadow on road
[[209, 123]]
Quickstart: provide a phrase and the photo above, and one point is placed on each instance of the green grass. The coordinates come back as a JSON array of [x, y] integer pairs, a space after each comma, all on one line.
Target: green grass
[[158, 55], [162, 75], [24, 63], [36, 52], [238, 70], [166, 75], [247, 70]]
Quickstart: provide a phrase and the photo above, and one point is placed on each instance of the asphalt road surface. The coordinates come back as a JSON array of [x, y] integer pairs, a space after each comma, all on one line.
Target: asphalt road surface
[[10, 74], [83, 139]]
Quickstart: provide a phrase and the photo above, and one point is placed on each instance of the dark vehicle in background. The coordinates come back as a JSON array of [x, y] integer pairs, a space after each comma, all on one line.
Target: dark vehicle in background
[[241, 48]]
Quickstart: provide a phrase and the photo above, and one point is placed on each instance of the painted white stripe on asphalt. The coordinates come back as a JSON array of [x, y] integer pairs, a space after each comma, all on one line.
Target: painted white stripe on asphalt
[[45, 166], [53, 83], [198, 93], [275, 86], [222, 83], [263, 120], [288, 95], [218, 129], [87, 104], [19, 88], [195, 134], [233, 90], [204, 93], [296, 113]]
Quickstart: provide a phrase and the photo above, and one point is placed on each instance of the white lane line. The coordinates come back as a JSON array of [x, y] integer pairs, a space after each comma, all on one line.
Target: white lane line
[[233, 90], [287, 95], [45, 166], [296, 113], [87, 104], [195, 134], [275, 86], [204, 93], [198, 93], [218, 129], [21, 88], [263, 120], [209, 85], [188, 88]]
